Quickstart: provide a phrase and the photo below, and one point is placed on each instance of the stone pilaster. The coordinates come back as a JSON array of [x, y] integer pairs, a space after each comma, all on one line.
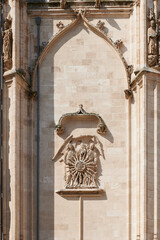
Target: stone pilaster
[[146, 125], [16, 155]]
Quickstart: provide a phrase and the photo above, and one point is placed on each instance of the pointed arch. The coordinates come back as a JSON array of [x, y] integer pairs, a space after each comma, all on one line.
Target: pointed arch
[[68, 28]]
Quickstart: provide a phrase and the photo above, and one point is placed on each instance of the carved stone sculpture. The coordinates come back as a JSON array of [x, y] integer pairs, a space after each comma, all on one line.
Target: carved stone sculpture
[[7, 45], [81, 158], [152, 41], [81, 166]]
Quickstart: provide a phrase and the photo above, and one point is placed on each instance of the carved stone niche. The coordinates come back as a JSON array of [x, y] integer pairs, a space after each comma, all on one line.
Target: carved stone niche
[[101, 127], [81, 157]]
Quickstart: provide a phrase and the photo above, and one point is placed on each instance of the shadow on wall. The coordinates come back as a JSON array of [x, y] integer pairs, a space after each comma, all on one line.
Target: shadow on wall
[[72, 123], [46, 185], [113, 23]]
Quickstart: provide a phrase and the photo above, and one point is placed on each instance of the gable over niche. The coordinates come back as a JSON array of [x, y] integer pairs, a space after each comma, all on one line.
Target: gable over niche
[[70, 31]]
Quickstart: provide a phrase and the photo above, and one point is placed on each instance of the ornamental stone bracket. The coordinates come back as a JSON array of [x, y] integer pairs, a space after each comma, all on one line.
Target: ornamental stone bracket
[[101, 127], [80, 192]]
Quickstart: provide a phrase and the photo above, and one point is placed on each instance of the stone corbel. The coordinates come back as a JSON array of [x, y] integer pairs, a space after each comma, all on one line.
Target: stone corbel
[[101, 127], [32, 94], [128, 93], [10, 74]]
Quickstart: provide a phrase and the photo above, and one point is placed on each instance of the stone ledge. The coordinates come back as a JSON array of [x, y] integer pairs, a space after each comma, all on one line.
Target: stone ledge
[[94, 192], [140, 72], [8, 75]]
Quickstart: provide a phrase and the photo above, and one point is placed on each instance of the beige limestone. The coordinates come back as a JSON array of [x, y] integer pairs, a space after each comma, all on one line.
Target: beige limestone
[[81, 63]]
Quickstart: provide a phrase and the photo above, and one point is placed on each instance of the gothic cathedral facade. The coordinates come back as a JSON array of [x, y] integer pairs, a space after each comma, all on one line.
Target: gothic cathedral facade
[[80, 119]]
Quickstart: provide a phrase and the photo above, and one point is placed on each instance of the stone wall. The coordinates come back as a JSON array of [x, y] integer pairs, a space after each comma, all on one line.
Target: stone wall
[[73, 73], [93, 54]]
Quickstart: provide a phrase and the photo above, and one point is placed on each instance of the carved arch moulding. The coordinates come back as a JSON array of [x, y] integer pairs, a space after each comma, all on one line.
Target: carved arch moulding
[[81, 159], [80, 15], [101, 127]]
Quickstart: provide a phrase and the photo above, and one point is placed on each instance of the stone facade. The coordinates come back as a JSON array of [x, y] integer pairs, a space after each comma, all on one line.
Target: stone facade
[[99, 167]]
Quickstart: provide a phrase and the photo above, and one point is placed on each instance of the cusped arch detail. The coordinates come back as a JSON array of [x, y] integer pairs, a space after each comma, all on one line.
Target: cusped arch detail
[[94, 29]]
